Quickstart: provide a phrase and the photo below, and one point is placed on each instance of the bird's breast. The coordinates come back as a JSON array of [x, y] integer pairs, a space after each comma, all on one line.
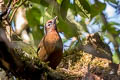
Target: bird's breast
[[53, 41]]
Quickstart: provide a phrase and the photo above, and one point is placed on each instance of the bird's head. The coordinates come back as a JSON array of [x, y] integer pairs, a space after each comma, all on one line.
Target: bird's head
[[50, 25]]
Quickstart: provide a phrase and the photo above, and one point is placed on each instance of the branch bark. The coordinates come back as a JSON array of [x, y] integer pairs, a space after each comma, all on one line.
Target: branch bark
[[22, 64]]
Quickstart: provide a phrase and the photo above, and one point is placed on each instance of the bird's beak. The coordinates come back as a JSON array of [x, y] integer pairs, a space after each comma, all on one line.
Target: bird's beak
[[54, 20]]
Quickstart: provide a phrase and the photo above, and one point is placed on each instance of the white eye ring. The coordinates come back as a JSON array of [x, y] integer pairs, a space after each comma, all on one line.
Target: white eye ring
[[49, 24]]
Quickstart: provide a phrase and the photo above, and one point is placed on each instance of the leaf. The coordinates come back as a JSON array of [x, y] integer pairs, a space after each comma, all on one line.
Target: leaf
[[65, 26], [35, 1], [64, 40], [37, 34], [85, 5], [114, 23], [68, 28], [113, 1], [44, 3], [59, 1], [64, 8], [110, 28], [33, 16], [97, 8], [80, 11], [40, 2], [81, 8], [115, 58], [110, 36], [104, 28], [118, 40], [84, 25], [76, 8]]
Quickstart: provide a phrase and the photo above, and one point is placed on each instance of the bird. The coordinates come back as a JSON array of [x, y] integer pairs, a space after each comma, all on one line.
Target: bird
[[50, 48]]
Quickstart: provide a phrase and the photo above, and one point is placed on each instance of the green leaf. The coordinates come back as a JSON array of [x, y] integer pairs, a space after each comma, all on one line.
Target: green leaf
[[104, 28], [97, 8], [110, 29], [64, 8], [59, 1], [44, 3], [118, 40], [113, 1], [40, 2], [68, 28], [84, 25], [82, 8], [37, 34], [115, 58], [65, 26], [64, 40], [33, 16], [114, 23], [35, 1], [85, 5], [77, 8], [80, 11]]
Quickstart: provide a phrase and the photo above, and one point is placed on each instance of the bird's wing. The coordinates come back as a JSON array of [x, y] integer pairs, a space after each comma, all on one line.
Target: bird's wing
[[41, 51], [40, 45]]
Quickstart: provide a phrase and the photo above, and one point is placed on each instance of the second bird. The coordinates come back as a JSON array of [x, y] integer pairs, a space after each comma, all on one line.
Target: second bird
[[50, 48]]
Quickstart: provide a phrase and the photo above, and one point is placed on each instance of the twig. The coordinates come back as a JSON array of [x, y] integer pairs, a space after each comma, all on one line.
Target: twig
[[7, 9]]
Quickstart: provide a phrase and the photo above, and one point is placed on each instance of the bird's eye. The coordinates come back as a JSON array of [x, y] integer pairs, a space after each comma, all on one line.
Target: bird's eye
[[49, 24]]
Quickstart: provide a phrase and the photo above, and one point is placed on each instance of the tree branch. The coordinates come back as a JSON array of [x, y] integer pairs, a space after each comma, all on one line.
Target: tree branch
[[113, 65], [22, 64], [7, 11]]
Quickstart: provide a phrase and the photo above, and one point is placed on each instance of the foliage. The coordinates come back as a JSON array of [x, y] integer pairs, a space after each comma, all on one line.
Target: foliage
[[67, 10]]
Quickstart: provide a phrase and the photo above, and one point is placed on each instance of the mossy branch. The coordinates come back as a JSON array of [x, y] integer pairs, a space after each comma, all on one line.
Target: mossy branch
[[21, 60]]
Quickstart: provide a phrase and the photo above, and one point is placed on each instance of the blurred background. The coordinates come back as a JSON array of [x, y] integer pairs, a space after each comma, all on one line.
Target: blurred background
[[76, 19], [85, 26]]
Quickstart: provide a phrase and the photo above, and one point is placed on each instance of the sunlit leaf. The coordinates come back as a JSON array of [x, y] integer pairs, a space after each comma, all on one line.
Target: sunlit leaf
[[85, 5], [81, 8], [59, 1], [84, 25], [80, 11], [115, 58]]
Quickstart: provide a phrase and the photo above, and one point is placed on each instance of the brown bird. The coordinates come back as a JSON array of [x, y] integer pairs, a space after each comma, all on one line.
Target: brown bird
[[50, 48]]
